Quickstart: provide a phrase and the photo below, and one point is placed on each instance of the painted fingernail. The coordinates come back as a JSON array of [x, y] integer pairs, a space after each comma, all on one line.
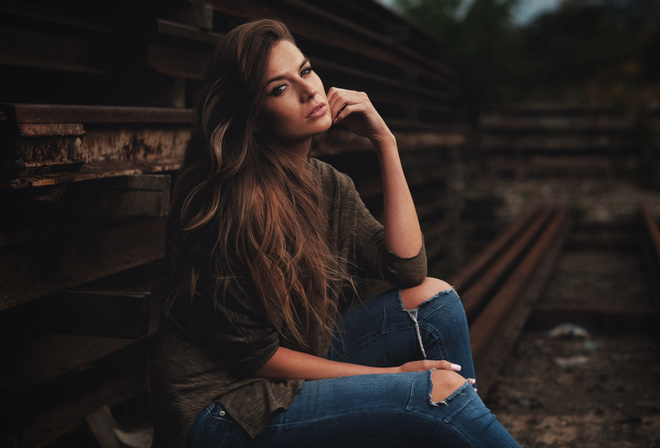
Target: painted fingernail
[[456, 367]]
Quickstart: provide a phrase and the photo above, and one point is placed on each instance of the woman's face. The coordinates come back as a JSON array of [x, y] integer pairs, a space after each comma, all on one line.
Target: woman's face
[[295, 107]]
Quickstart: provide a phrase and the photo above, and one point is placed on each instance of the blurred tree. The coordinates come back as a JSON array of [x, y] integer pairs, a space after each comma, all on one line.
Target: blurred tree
[[481, 44], [597, 52], [581, 50]]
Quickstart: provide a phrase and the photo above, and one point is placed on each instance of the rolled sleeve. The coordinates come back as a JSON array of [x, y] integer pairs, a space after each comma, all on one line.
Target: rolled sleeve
[[250, 355], [381, 263], [242, 335], [361, 237]]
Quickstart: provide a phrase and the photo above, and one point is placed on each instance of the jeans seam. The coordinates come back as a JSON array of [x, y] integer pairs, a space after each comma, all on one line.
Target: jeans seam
[[437, 338], [211, 420]]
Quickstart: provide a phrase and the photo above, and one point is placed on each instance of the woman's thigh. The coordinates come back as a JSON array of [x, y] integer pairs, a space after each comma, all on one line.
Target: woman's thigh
[[380, 332], [369, 410]]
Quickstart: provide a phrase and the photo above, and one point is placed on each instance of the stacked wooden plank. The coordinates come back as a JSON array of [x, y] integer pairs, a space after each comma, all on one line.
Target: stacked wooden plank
[[579, 128], [538, 140]]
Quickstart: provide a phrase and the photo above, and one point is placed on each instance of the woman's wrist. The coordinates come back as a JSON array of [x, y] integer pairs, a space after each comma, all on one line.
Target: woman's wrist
[[384, 141]]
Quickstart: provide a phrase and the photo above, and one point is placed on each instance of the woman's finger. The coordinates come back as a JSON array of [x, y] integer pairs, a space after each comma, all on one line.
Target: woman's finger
[[339, 99], [341, 113], [446, 365], [336, 99]]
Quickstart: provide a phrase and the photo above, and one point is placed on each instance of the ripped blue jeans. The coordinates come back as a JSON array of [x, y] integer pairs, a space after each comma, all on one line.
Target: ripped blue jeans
[[388, 410], [381, 333]]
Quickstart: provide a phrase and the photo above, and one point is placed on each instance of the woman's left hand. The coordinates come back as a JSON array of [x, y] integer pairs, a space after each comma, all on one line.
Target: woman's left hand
[[354, 110]]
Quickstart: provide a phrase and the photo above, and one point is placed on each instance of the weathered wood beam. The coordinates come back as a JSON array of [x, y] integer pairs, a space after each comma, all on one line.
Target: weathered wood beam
[[550, 124], [51, 144], [340, 140], [143, 195], [43, 267], [105, 313], [70, 376], [558, 144], [313, 23]]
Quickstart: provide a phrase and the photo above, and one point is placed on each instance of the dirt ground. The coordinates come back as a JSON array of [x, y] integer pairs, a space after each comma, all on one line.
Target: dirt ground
[[594, 391], [593, 385], [600, 388]]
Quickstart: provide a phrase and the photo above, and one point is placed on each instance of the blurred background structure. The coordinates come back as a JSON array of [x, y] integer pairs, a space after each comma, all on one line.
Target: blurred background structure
[[556, 83], [514, 118]]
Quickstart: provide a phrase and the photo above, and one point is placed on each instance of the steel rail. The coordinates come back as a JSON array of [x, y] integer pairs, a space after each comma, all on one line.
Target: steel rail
[[501, 322], [474, 298], [469, 274], [502, 285]]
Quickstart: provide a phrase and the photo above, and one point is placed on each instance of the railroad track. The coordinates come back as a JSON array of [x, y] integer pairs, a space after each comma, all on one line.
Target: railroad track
[[502, 286], [584, 369]]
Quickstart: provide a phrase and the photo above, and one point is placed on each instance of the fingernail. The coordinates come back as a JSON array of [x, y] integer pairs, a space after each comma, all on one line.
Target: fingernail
[[456, 367]]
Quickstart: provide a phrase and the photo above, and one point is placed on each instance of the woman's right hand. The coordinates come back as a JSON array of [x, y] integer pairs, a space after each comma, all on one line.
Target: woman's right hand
[[427, 364], [444, 383], [358, 114]]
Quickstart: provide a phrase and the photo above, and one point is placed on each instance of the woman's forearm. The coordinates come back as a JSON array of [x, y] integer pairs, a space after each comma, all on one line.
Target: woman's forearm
[[354, 110], [289, 364], [403, 235]]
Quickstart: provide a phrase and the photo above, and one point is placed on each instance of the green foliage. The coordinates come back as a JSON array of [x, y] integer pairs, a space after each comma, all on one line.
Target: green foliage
[[575, 52], [594, 53], [433, 15], [480, 45]]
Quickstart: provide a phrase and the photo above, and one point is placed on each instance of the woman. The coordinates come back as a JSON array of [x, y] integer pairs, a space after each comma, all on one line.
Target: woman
[[260, 345]]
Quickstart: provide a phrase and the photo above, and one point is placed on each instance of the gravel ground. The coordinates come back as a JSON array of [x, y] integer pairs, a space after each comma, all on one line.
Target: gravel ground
[[592, 385], [600, 389], [594, 391]]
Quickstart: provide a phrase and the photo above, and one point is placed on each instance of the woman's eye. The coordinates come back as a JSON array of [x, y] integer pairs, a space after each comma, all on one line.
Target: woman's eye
[[278, 90], [306, 71]]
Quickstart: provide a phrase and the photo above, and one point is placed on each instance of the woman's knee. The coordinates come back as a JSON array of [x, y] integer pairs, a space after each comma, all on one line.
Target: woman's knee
[[415, 296], [445, 383]]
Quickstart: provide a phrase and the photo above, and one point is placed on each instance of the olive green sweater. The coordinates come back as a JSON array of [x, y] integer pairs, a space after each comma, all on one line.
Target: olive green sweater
[[204, 355]]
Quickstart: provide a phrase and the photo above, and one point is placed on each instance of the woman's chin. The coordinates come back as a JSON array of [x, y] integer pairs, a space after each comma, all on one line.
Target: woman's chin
[[326, 124]]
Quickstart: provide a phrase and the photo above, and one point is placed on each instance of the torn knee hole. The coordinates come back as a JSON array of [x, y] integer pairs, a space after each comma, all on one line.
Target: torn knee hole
[[413, 297], [445, 383]]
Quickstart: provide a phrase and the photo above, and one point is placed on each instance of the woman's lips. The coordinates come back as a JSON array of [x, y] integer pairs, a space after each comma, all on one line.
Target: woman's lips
[[318, 111]]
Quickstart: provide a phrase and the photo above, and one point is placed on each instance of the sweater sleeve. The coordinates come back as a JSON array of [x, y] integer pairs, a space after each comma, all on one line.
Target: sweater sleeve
[[371, 253], [239, 331], [377, 260]]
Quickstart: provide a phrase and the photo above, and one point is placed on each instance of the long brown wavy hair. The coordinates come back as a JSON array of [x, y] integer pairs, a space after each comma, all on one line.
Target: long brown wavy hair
[[244, 212]]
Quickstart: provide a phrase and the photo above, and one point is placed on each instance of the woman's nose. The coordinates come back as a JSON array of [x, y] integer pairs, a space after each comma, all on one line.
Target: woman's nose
[[308, 91]]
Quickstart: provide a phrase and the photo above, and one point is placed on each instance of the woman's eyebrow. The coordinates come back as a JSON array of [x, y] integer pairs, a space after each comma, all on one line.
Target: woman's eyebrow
[[277, 78]]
